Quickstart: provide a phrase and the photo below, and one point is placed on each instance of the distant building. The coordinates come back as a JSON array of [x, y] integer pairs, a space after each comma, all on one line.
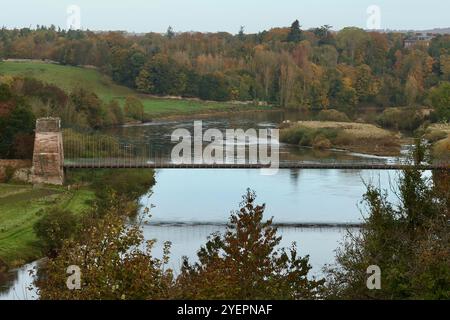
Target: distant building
[[419, 39]]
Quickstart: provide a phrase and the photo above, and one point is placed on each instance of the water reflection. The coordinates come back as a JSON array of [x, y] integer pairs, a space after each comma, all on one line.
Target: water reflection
[[293, 196]]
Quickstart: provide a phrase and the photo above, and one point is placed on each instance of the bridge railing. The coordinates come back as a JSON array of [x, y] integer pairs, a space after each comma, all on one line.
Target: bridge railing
[[96, 150]]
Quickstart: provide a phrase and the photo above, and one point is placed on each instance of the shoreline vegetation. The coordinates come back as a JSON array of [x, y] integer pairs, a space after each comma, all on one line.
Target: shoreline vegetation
[[350, 136]]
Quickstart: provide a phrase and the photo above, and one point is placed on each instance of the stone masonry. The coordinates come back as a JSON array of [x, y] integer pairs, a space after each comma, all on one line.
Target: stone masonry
[[48, 155]]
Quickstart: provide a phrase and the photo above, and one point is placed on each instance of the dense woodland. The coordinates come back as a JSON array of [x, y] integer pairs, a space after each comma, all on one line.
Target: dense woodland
[[290, 67], [315, 69]]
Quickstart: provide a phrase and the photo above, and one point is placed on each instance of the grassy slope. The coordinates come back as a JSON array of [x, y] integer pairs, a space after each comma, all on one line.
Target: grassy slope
[[19, 207], [68, 77]]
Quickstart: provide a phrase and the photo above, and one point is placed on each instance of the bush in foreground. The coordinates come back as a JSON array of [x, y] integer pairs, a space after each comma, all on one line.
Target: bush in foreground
[[115, 263], [245, 263], [408, 241], [54, 227]]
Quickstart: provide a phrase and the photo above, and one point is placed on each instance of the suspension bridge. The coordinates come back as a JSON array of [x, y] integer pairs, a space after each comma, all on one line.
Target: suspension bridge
[[55, 151]]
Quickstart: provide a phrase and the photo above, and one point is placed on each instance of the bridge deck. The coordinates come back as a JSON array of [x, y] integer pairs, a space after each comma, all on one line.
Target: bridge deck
[[103, 164]]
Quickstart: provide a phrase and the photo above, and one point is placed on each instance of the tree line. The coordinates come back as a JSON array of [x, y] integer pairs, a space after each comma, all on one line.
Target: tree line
[[290, 67]]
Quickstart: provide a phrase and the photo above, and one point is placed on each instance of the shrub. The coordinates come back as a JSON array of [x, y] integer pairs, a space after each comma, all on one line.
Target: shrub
[[408, 240], [321, 142], [54, 227], [134, 108], [332, 115], [400, 119], [306, 137]]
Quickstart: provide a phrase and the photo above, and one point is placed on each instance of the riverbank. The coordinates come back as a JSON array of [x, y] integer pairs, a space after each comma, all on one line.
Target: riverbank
[[20, 208], [350, 136]]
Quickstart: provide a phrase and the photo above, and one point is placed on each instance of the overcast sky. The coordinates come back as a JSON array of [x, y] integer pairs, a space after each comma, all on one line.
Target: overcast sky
[[226, 15]]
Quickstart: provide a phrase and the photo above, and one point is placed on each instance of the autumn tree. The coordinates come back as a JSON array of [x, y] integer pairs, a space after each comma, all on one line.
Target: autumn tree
[[295, 33], [115, 264], [440, 100], [134, 108], [408, 241], [352, 42], [246, 263], [17, 123]]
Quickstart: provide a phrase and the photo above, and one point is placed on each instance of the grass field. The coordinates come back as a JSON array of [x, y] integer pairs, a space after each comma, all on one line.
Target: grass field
[[19, 210], [69, 77]]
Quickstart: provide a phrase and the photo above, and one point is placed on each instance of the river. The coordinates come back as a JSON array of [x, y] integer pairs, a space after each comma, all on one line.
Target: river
[[312, 207]]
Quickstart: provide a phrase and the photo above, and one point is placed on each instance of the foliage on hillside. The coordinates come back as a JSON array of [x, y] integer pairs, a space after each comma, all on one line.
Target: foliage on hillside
[[290, 67]]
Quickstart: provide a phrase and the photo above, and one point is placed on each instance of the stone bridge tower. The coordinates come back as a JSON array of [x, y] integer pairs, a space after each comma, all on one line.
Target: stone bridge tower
[[48, 154]]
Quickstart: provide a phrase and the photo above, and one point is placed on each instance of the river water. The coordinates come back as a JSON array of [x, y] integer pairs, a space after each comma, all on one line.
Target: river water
[[313, 207]]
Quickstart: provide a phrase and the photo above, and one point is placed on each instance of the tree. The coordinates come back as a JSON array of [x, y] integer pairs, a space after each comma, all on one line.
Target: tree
[[411, 90], [295, 33], [364, 83], [117, 112], [265, 63], [90, 105], [126, 65], [115, 264], [352, 43], [17, 123], [241, 34], [54, 227], [134, 108], [409, 242], [445, 66], [214, 87], [163, 76], [170, 33], [287, 79], [440, 100], [245, 263]]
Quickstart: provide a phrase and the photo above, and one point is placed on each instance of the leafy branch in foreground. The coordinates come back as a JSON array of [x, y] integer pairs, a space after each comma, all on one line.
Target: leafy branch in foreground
[[115, 263], [409, 241], [246, 263]]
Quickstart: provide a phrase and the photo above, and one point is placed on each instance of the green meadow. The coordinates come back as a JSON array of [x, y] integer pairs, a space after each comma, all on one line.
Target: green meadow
[[20, 208], [70, 77]]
